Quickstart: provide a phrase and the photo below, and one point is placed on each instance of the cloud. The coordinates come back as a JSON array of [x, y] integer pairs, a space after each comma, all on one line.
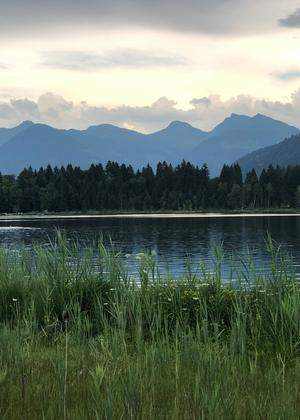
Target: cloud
[[7, 113], [287, 75], [198, 16], [18, 110], [25, 108], [203, 112], [89, 61], [292, 20], [53, 106]]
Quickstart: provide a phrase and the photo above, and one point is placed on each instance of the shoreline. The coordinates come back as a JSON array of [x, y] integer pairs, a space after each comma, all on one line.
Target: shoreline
[[140, 215]]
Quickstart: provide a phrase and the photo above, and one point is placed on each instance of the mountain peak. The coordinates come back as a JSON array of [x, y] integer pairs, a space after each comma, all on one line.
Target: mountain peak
[[107, 129], [237, 117], [25, 124], [102, 125], [179, 124], [265, 119], [261, 116], [234, 115], [233, 122]]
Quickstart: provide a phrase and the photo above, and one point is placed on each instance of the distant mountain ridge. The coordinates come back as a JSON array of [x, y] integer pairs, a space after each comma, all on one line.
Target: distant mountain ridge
[[172, 136], [285, 153], [37, 145], [237, 136], [40, 145], [8, 133]]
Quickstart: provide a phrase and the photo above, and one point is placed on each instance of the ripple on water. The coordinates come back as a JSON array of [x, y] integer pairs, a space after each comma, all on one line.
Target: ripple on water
[[13, 228]]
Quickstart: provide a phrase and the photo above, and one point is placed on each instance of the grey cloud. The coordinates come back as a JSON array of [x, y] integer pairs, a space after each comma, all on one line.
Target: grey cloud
[[292, 20], [204, 112], [198, 102], [287, 75], [199, 16], [7, 113], [85, 61], [26, 108]]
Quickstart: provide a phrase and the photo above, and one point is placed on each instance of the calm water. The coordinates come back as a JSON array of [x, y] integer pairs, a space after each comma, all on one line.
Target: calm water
[[173, 239]]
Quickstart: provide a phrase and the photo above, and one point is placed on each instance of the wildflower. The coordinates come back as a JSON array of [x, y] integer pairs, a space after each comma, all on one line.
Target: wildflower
[[169, 299], [105, 303], [14, 300]]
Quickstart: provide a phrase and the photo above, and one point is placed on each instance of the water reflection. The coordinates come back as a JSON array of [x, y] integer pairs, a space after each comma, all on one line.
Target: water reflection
[[171, 239]]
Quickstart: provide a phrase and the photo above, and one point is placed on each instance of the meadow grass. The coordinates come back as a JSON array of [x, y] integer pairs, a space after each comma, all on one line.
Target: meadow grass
[[81, 339]]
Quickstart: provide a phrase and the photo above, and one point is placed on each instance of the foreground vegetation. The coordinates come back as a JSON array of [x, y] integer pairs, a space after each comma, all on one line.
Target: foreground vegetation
[[81, 339]]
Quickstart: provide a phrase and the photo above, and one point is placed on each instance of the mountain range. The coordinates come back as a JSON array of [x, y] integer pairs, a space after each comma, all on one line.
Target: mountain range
[[238, 135]]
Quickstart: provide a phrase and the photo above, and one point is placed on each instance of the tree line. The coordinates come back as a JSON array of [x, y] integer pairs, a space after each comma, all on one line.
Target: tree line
[[119, 187]]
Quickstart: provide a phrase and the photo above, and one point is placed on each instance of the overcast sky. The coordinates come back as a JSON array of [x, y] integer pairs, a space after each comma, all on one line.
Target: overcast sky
[[141, 63]]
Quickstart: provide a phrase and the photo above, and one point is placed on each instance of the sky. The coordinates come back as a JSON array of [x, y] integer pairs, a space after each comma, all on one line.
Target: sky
[[141, 64]]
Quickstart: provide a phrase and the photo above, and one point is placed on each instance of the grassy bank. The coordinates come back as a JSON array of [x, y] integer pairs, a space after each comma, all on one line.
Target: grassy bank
[[79, 342]]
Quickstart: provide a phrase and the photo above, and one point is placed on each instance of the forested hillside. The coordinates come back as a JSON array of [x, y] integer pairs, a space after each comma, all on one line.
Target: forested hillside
[[283, 154], [120, 187]]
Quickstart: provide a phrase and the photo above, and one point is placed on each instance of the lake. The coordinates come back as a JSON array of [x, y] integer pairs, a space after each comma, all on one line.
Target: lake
[[174, 240]]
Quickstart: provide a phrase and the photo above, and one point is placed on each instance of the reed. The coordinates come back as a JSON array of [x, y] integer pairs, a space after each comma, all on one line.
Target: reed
[[80, 338]]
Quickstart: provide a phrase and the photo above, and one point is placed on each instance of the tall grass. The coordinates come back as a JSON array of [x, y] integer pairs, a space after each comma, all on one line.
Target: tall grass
[[80, 338]]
